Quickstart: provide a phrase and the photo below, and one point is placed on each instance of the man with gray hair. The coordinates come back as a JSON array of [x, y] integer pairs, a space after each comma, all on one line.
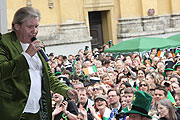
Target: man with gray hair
[[25, 77], [78, 85]]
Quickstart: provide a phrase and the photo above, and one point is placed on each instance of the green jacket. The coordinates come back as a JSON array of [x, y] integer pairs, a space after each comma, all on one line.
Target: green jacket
[[15, 80]]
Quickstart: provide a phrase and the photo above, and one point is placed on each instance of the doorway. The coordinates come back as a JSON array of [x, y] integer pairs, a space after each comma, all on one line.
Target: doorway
[[95, 22]]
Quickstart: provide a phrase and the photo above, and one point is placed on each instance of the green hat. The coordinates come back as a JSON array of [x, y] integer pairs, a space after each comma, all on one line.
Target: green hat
[[145, 58], [177, 64], [57, 73], [141, 104], [168, 67], [177, 51]]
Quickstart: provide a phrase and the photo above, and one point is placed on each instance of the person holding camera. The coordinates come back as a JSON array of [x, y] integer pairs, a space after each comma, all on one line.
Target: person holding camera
[[64, 110]]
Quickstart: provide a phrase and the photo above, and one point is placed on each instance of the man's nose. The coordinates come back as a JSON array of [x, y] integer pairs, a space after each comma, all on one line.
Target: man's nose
[[36, 29]]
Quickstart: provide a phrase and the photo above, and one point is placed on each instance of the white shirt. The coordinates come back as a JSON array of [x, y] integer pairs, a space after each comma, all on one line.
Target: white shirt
[[131, 82], [35, 71]]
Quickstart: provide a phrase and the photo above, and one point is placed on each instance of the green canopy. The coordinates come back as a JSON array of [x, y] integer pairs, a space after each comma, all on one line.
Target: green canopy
[[142, 44], [175, 37]]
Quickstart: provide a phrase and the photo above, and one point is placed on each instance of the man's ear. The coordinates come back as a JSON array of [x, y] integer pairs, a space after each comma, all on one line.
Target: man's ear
[[16, 26]]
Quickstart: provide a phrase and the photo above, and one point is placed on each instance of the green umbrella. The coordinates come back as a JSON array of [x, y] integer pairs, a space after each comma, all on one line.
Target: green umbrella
[[142, 44], [175, 37]]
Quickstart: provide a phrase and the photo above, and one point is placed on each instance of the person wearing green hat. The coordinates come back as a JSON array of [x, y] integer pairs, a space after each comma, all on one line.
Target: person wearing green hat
[[168, 69], [177, 67], [147, 60], [140, 106], [177, 52]]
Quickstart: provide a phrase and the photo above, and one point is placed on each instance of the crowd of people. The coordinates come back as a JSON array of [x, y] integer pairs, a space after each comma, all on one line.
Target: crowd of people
[[91, 85], [108, 89]]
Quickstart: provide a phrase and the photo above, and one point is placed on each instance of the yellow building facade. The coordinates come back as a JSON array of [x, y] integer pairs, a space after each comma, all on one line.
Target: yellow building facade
[[95, 22]]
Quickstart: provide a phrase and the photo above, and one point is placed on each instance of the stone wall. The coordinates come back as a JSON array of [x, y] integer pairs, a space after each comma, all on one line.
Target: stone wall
[[147, 26], [65, 34]]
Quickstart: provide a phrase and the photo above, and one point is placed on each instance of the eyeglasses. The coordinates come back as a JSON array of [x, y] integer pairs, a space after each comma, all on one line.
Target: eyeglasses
[[95, 89], [142, 85]]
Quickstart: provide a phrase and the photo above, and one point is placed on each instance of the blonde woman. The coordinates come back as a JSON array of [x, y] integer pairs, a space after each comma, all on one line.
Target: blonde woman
[[99, 89], [166, 110], [105, 78], [144, 86]]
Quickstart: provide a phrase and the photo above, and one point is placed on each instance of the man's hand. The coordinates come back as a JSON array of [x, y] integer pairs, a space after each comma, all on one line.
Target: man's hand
[[64, 107], [73, 95], [83, 111], [93, 111], [34, 47], [57, 110]]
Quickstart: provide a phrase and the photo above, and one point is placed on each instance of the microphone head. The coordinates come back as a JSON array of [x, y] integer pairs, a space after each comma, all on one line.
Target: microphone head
[[0, 36], [33, 39]]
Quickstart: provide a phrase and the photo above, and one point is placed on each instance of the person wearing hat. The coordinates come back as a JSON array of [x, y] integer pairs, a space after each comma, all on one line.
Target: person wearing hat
[[103, 112], [177, 67], [177, 52], [51, 56], [168, 69], [140, 106], [147, 59]]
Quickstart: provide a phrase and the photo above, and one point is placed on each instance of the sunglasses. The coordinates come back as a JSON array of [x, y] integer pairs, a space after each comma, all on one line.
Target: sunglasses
[[142, 85], [95, 89]]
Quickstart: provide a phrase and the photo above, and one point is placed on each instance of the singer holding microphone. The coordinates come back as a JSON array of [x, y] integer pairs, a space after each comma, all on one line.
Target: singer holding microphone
[[25, 77]]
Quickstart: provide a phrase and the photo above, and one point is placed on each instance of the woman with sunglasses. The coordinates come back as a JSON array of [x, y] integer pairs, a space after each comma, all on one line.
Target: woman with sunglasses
[[144, 86], [98, 89]]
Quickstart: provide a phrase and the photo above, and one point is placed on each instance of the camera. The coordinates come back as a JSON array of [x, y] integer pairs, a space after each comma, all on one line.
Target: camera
[[61, 103], [78, 58], [166, 84]]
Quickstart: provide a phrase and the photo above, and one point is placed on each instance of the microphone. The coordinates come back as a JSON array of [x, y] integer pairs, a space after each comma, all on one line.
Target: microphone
[[42, 52], [0, 36]]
